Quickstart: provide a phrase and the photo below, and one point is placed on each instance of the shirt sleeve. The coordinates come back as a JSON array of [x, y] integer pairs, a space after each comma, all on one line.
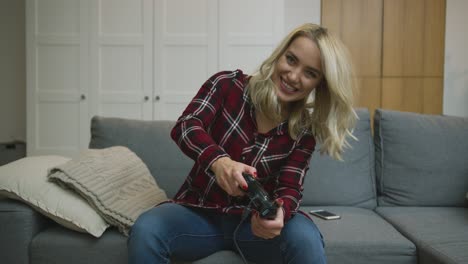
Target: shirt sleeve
[[191, 129], [291, 179]]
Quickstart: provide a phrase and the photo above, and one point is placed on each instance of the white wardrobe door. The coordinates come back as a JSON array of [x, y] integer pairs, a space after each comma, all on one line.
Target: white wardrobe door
[[121, 54], [185, 52], [249, 30], [196, 38], [57, 86]]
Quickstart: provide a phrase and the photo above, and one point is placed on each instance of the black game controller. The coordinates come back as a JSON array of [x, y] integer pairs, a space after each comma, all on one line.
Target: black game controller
[[260, 199]]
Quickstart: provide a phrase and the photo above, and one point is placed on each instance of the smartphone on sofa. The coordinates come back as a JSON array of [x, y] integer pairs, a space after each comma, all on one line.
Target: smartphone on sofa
[[324, 214]]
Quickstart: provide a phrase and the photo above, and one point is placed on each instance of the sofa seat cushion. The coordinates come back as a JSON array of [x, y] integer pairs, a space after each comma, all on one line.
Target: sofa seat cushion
[[59, 245], [362, 236], [440, 233], [19, 224]]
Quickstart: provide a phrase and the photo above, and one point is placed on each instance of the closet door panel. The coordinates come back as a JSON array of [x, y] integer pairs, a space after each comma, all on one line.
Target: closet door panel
[[121, 53], [121, 17], [58, 97], [141, 59], [246, 42], [57, 73], [121, 90], [185, 70], [186, 51], [57, 129]]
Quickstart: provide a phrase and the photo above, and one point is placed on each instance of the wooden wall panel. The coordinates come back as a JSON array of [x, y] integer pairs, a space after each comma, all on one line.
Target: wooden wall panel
[[361, 32], [403, 94], [414, 35], [420, 95], [358, 23], [434, 38], [369, 93], [403, 38], [397, 47], [433, 95], [331, 15]]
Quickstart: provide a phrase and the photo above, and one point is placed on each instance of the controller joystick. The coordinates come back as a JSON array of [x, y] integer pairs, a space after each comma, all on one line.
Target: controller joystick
[[259, 198]]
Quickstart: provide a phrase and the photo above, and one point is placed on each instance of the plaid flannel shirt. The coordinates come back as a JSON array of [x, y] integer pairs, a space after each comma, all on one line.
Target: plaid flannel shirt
[[220, 122]]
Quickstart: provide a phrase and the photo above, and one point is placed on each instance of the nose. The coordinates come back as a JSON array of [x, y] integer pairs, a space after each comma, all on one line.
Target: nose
[[293, 75]]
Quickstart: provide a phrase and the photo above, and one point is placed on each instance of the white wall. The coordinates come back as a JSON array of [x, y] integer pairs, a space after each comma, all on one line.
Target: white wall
[[12, 71], [456, 59]]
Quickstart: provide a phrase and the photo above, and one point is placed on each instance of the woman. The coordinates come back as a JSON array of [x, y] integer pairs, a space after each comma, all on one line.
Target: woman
[[265, 125]]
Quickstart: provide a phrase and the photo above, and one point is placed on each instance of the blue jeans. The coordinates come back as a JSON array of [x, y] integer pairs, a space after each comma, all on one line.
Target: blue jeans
[[172, 231]]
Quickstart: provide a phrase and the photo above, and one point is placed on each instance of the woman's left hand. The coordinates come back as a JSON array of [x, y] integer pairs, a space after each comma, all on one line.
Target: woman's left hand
[[268, 228]]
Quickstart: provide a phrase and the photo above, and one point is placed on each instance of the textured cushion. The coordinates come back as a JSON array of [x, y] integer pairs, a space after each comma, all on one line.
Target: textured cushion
[[361, 236], [114, 181], [440, 233], [149, 140], [421, 160], [26, 180], [348, 182]]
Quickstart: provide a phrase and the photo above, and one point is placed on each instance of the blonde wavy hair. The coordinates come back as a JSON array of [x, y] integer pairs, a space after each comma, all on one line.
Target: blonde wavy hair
[[328, 113]]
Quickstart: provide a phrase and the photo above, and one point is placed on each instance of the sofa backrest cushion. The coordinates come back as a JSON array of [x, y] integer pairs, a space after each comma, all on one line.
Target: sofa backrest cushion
[[348, 182], [149, 140], [421, 160], [328, 181]]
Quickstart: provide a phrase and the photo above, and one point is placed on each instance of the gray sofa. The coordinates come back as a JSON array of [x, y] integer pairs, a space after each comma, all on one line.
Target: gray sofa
[[400, 194]]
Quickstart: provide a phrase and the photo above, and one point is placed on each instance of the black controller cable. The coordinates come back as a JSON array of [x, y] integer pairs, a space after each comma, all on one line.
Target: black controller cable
[[244, 216]]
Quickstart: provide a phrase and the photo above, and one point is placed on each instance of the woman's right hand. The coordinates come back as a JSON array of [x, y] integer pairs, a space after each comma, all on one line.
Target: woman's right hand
[[229, 175]]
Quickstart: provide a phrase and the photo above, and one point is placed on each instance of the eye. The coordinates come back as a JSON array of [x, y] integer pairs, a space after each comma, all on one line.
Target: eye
[[290, 59], [311, 74]]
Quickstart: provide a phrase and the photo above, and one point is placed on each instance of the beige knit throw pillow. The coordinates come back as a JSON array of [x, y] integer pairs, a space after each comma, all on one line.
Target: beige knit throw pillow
[[115, 181]]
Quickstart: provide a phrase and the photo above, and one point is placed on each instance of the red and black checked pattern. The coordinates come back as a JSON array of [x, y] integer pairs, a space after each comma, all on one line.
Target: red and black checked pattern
[[220, 122]]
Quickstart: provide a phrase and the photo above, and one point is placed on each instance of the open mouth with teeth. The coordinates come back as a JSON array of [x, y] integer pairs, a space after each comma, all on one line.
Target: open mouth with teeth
[[286, 88]]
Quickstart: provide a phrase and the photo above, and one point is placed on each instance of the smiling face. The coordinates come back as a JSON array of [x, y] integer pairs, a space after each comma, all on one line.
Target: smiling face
[[298, 70]]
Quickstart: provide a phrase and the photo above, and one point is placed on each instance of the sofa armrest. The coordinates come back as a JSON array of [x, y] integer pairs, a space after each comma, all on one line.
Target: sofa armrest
[[19, 223]]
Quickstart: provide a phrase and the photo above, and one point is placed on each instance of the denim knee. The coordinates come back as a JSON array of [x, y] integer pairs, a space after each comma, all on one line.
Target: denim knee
[[302, 241], [143, 226], [147, 241]]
